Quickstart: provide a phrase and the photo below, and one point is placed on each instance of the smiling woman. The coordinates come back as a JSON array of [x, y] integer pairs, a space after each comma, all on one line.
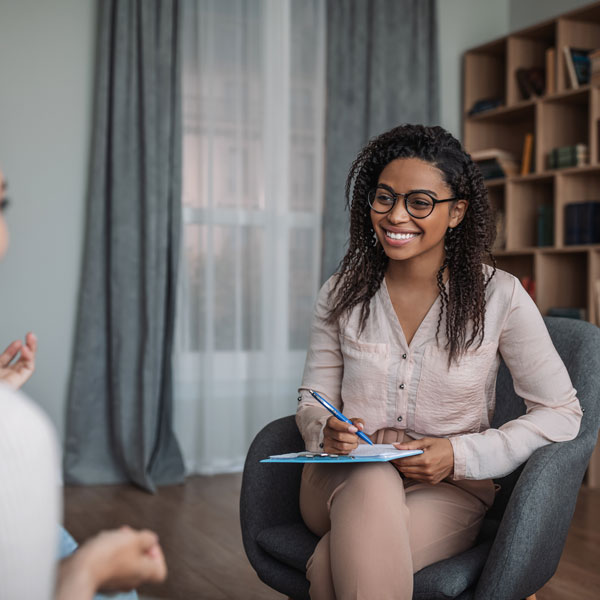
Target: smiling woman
[[414, 286]]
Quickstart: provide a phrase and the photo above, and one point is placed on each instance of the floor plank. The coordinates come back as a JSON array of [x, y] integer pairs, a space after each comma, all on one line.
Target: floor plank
[[198, 524]]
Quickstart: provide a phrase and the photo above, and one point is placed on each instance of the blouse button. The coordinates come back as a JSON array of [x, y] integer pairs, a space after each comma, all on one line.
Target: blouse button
[[404, 356], [299, 398], [399, 418], [401, 386]]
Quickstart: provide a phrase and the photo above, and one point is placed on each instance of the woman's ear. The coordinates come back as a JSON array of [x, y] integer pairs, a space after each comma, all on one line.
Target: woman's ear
[[457, 212]]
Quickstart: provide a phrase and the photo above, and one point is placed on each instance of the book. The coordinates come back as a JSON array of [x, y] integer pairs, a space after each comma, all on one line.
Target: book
[[528, 284], [526, 161], [582, 223], [567, 312], [545, 225], [362, 453], [578, 66], [550, 71], [484, 104]]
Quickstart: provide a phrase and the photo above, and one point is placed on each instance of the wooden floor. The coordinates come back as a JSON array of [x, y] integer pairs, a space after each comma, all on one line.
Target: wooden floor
[[198, 524]]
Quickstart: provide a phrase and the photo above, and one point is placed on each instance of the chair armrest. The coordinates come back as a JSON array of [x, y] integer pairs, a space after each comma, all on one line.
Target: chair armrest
[[532, 534], [270, 492]]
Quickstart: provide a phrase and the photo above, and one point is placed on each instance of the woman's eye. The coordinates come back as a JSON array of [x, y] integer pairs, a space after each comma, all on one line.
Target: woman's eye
[[383, 199], [420, 202]]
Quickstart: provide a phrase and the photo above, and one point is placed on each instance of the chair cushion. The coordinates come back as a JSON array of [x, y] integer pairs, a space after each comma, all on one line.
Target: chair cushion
[[291, 544], [451, 577]]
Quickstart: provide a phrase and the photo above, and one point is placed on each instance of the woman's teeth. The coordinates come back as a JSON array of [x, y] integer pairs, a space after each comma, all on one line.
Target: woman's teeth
[[401, 236]]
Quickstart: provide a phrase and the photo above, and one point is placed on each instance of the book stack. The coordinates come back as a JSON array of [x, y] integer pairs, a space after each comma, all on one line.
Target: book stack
[[568, 312], [568, 156], [495, 163], [545, 225], [582, 223], [578, 66]]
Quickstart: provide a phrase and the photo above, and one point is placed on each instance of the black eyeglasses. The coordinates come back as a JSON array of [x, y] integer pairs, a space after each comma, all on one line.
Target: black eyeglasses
[[4, 204], [419, 204]]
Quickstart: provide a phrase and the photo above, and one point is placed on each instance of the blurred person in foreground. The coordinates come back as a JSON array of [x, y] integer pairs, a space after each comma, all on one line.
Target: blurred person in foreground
[[31, 506]]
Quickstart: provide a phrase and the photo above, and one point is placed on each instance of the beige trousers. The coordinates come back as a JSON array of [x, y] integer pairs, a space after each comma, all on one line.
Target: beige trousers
[[377, 528]]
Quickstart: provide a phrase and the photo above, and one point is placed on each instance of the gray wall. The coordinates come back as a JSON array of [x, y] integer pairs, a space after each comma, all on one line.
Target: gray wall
[[463, 24], [529, 12], [46, 72]]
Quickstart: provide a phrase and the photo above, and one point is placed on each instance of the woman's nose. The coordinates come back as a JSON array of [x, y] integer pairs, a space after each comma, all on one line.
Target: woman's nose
[[398, 214]]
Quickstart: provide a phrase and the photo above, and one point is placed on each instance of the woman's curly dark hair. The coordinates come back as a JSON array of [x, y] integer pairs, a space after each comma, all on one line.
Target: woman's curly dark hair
[[362, 269]]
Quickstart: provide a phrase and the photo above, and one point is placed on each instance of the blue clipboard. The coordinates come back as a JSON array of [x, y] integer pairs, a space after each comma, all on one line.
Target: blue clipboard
[[315, 457]]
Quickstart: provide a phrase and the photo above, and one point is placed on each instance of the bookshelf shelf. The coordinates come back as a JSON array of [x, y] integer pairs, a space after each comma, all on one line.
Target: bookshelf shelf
[[534, 210]]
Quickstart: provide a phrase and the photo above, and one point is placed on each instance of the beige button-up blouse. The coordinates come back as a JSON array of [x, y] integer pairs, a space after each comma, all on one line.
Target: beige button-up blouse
[[379, 377]]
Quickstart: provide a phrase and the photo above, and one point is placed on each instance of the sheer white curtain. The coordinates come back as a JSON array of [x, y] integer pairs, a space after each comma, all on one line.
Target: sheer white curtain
[[253, 118]]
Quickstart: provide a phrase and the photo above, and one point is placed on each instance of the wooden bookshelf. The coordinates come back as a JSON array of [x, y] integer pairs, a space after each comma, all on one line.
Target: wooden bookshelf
[[564, 275]]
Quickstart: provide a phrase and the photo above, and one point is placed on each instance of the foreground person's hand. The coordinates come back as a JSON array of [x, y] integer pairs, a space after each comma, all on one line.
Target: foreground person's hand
[[16, 372], [116, 560]]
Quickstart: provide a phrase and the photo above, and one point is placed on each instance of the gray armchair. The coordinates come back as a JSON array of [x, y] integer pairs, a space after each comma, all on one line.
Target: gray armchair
[[523, 534]]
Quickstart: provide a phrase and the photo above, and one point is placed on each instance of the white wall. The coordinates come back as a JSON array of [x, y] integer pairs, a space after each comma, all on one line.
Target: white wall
[[463, 24], [46, 80]]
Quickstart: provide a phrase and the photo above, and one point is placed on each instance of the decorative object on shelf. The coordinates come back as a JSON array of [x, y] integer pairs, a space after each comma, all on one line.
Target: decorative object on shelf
[[594, 67], [527, 163], [550, 71], [500, 218], [582, 223], [531, 81], [484, 105], [568, 156], [568, 312], [529, 284], [545, 225], [578, 66], [495, 163]]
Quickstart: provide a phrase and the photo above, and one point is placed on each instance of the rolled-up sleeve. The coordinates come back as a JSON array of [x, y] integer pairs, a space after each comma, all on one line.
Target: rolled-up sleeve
[[322, 373], [553, 412]]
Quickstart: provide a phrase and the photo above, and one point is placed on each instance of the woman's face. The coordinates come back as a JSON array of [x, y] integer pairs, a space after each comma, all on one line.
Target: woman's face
[[403, 236], [3, 229]]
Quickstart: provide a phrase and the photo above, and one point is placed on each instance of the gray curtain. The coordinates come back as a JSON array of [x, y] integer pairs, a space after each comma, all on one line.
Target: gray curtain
[[381, 72], [120, 401]]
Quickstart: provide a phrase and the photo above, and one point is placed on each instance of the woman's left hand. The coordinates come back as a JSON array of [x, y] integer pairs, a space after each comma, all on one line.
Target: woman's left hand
[[435, 464]]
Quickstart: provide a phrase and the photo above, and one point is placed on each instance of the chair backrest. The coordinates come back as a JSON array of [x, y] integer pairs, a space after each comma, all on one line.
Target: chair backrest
[[578, 344]]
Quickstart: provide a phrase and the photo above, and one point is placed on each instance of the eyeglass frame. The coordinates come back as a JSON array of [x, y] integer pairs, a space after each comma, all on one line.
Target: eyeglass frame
[[397, 195]]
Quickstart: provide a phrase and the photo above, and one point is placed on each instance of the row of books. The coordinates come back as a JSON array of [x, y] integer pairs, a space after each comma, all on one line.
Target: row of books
[[582, 223], [568, 156], [582, 67]]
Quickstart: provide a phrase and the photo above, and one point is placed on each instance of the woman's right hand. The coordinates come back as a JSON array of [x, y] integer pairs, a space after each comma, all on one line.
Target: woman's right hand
[[340, 437]]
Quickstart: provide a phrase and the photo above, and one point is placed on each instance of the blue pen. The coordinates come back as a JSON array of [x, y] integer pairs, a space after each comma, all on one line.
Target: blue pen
[[336, 413]]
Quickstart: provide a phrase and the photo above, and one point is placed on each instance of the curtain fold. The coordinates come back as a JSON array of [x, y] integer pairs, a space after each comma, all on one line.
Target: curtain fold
[[119, 417], [381, 72]]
